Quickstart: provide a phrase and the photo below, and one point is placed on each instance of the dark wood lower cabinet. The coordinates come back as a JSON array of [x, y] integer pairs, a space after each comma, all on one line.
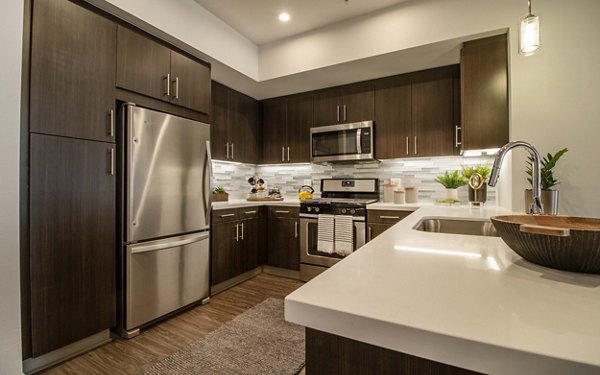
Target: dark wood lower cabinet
[[72, 240], [283, 243], [331, 354], [224, 263], [374, 230]]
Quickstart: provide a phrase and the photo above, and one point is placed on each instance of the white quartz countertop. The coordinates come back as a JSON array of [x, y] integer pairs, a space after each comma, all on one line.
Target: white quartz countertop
[[237, 203], [468, 301]]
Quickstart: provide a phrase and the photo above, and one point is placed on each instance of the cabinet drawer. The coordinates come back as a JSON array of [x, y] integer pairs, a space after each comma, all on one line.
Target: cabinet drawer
[[386, 216], [224, 216], [248, 212], [283, 211]]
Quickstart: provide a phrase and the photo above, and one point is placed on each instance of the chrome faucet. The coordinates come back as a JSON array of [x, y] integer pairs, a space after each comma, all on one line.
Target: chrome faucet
[[536, 207]]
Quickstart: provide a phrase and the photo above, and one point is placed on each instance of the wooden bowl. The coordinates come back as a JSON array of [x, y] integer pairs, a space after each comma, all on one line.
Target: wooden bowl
[[560, 242]]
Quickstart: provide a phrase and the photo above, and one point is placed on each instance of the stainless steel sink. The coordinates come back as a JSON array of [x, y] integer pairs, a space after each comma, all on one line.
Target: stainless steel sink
[[457, 226]]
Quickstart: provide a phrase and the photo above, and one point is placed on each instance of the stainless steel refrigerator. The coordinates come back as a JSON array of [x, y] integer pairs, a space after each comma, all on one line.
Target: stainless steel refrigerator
[[166, 190]]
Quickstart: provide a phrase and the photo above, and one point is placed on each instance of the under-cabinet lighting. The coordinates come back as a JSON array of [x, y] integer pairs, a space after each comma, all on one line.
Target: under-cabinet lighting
[[529, 35], [438, 252], [472, 153]]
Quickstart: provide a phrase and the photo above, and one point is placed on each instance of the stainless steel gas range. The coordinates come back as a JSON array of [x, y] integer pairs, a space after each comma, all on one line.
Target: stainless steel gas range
[[333, 226]]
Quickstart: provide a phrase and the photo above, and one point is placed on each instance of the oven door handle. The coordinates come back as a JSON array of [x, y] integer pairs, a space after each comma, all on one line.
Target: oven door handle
[[358, 146]]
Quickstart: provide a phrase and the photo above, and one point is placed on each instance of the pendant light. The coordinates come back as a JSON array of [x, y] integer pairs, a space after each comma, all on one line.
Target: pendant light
[[529, 36]]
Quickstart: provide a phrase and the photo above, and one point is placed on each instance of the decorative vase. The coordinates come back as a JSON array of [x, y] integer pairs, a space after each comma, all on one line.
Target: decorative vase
[[452, 194], [479, 196], [549, 201]]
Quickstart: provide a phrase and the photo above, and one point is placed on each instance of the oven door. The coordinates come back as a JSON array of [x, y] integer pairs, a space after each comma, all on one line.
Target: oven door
[[346, 142], [308, 242]]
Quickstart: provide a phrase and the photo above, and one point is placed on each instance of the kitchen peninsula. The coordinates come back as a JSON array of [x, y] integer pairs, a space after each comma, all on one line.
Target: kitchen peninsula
[[466, 301]]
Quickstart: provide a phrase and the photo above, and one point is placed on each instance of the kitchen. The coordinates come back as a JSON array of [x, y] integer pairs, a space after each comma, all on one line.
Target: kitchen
[[552, 94]]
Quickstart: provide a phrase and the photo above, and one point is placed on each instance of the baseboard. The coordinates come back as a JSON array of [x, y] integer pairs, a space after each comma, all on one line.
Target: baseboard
[[283, 272], [216, 289], [33, 365]]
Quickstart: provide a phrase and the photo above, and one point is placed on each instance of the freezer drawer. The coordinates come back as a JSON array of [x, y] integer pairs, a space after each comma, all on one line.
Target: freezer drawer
[[165, 275]]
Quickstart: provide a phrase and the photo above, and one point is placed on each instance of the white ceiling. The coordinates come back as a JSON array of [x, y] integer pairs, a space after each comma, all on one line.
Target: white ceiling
[[257, 19]]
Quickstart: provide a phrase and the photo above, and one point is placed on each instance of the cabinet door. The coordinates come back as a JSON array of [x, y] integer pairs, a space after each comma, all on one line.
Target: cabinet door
[[72, 71], [292, 259], [484, 85], [274, 130], [190, 83], [248, 248], [219, 122], [247, 135], [358, 102], [72, 239], [278, 241], [225, 262], [299, 116], [327, 109], [393, 121], [143, 65], [432, 113], [374, 230]]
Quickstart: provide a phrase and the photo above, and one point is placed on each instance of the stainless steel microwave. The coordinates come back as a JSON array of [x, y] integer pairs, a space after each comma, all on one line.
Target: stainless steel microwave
[[345, 142]]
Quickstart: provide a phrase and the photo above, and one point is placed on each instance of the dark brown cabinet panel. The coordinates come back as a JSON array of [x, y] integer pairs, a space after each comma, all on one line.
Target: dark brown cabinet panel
[[143, 65], [393, 119], [344, 104], [249, 245], [224, 260], [432, 113], [274, 130], [72, 240], [484, 86], [283, 246], [72, 71], [378, 221], [149, 68], [235, 131], [190, 83], [299, 122]]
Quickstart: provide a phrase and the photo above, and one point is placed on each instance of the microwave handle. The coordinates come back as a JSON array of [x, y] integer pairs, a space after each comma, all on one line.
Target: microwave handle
[[358, 146]]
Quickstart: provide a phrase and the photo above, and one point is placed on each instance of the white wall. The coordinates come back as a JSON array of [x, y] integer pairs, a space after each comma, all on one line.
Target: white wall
[[194, 25], [11, 30]]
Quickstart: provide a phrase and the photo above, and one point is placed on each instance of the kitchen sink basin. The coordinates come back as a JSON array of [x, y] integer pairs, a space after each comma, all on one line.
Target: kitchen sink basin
[[457, 226]]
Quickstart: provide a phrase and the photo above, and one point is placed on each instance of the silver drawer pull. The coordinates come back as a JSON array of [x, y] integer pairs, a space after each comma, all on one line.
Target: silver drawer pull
[[389, 217], [227, 215], [282, 212], [250, 212]]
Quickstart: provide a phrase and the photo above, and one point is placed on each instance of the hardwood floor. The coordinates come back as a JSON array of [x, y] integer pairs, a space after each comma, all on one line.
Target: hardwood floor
[[157, 342]]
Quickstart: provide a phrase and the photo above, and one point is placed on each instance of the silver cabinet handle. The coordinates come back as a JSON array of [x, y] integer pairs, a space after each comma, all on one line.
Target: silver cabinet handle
[[415, 144], [370, 234], [288, 152], [389, 217], [407, 153], [338, 113], [282, 212], [111, 161], [250, 212], [167, 80], [111, 123], [456, 142], [345, 112], [226, 215], [237, 232], [227, 148], [232, 156], [295, 229], [242, 237], [176, 82], [282, 153]]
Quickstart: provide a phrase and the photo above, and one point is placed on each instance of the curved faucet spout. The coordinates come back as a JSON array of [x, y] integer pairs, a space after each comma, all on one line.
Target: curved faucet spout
[[536, 206]]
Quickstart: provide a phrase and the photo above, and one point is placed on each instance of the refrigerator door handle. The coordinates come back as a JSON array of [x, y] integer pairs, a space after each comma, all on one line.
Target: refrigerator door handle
[[168, 245], [208, 191]]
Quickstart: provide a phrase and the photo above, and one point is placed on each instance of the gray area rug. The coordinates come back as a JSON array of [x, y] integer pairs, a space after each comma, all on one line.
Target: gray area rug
[[258, 341]]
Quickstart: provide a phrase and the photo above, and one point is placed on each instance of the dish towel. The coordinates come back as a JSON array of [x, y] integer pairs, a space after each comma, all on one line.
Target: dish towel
[[325, 233], [344, 235]]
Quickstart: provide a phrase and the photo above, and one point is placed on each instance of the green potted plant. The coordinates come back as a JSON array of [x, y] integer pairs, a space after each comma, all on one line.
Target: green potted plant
[[451, 181], [549, 195], [219, 194], [477, 177]]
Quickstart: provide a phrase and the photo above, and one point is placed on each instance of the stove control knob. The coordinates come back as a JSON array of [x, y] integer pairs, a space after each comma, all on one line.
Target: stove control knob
[[343, 210], [316, 209], [353, 211], [309, 209]]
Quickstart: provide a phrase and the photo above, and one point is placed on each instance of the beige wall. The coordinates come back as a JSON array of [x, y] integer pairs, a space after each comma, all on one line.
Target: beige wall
[[11, 29]]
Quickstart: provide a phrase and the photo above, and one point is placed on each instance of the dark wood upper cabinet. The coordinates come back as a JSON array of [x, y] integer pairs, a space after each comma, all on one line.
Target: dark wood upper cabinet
[[484, 91], [344, 104], [432, 113], [393, 118], [274, 130], [72, 240], [190, 83], [299, 122], [235, 131], [72, 72], [152, 69]]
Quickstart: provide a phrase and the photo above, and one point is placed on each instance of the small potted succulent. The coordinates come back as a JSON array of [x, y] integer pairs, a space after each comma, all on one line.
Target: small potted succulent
[[219, 194], [476, 177], [549, 196], [451, 181]]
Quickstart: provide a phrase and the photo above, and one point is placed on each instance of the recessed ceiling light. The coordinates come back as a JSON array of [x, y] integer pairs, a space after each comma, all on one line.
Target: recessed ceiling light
[[284, 17]]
